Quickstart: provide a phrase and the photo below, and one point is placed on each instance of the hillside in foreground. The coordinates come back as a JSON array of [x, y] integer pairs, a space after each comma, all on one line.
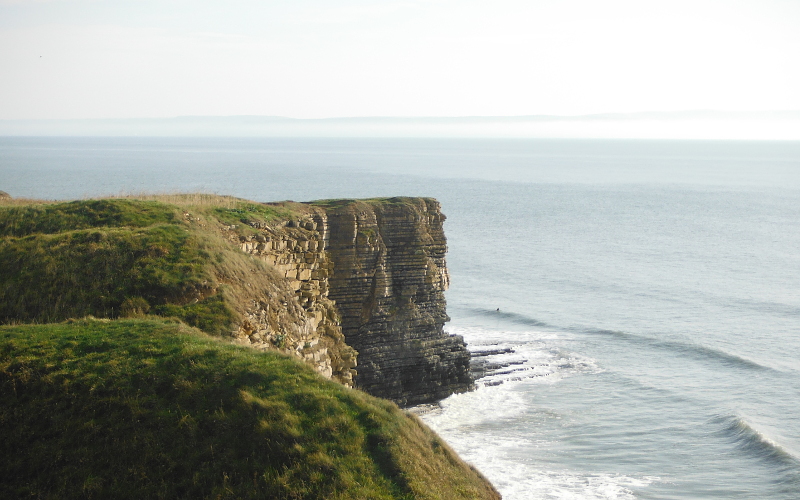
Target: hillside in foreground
[[145, 408]]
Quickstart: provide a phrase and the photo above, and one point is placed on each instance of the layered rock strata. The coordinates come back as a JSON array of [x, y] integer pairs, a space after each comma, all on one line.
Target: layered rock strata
[[298, 317], [370, 278], [388, 282]]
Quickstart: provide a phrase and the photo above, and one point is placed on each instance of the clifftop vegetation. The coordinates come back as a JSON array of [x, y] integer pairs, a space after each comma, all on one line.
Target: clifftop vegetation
[[124, 257]]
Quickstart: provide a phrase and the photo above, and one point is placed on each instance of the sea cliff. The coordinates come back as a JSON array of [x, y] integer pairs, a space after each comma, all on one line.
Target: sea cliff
[[369, 275], [354, 288], [388, 283]]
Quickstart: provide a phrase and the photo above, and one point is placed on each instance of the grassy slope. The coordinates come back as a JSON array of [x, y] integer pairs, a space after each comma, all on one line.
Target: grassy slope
[[122, 257], [149, 409]]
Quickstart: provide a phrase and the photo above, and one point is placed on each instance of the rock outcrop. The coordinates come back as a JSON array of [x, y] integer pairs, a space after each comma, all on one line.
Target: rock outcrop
[[388, 282], [370, 275], [297, 316]]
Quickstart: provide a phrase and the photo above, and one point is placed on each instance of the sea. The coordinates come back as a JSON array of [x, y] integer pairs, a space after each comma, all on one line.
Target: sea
[[633, 306]]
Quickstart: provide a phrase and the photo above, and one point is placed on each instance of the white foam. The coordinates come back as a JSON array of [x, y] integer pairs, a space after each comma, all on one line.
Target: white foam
[[536, 357], [525, 483], [472, 424], [462, 412], [478, 336], [480, 425]]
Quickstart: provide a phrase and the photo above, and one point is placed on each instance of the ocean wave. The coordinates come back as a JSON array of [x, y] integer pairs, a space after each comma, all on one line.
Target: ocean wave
[[754, 442], [686, 348], [470, 423], [762, 306], [512, 317], [533, 355], [467, 417], [573, 486]]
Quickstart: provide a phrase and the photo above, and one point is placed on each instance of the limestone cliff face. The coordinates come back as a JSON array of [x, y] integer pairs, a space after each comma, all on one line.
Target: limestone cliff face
[[366, 279], [388, 282], [297, 316]]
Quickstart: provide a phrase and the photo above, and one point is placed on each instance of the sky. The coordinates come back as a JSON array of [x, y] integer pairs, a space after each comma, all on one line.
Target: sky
[[78, 59]]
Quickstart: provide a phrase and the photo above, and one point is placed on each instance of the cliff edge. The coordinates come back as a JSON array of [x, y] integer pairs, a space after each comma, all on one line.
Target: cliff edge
[[373, 271], [354, 288]]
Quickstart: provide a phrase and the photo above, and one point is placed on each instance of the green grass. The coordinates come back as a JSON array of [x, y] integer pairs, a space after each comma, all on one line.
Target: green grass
[[46, 277], [343, 202], [151, 409], [249, 212], [55, 218], [123, 257]]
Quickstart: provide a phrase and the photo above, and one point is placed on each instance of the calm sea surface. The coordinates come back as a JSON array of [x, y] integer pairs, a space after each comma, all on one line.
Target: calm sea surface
[[645, 295]]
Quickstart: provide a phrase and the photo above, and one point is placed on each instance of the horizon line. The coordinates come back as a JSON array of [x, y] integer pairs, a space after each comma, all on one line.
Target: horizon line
[[612, 114], [691, 124]]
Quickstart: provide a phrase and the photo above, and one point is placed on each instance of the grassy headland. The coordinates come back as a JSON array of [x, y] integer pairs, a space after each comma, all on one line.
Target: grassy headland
[[143, 405], [124, 257]]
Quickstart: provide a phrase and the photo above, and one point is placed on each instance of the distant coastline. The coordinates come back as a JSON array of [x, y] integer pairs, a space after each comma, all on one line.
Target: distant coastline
[[713, 125]]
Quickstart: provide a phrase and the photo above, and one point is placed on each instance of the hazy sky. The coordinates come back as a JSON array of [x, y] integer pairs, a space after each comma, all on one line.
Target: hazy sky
[[314, 59]]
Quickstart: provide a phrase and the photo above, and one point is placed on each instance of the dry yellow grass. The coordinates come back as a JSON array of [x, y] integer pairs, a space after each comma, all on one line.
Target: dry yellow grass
[[185, 200], [13, 202]]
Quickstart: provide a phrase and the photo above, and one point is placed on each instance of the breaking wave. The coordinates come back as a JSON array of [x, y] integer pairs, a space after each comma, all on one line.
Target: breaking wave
[[531, 356], [752, 441]]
